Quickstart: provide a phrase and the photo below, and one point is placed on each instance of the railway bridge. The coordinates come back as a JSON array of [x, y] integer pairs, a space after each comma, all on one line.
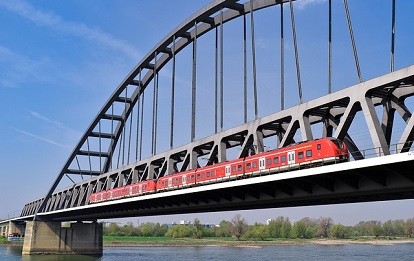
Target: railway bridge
[[139, 133]]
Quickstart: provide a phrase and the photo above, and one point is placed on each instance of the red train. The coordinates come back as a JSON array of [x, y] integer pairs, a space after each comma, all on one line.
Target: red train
[[300, 155]]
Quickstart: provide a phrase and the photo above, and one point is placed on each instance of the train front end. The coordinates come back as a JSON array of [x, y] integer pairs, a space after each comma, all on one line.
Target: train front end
[[340, 150]]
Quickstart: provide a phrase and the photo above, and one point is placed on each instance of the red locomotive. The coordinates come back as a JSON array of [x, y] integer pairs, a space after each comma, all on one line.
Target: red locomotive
[[299, 155]]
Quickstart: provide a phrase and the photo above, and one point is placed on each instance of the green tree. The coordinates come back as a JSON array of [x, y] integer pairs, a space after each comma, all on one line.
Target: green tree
[[127, 229], [303, 228], [112, 229], [399, 225], [209, 231], [389, 229], [286, 228], [369, 228], [323, 227], [225, 229], [377, 230], [339, 231], [275, 227], [198, 229], [147, 229], [160, 230], [409, 227], [239, 226], [257, 231], [179, 231]]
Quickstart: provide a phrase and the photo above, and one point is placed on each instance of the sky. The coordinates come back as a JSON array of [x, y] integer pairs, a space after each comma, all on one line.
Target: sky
[[61, 60]]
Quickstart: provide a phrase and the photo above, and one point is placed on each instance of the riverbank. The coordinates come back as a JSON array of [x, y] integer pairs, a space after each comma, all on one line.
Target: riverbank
[[231, 242], [124, 241]]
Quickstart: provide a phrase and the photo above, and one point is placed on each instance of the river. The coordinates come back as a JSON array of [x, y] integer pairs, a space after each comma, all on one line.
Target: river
[[364, 252]]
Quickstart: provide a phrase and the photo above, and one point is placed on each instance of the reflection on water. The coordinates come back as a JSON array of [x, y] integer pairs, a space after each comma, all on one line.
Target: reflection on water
[[10, 253], [400, 252]]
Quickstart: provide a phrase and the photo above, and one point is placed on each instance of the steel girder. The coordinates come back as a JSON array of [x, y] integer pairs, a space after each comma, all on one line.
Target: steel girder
[[206, 19], [335, 112], [373, 179]]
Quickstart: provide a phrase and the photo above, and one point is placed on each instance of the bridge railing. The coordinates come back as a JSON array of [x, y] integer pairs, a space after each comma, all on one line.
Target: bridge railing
[[378, 151]]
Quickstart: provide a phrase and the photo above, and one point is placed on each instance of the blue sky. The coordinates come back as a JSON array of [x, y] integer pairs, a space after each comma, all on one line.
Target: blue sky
[[61, 60]]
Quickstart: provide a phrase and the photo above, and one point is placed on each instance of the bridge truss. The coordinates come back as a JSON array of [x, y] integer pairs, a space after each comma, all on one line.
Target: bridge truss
[[109, 154]]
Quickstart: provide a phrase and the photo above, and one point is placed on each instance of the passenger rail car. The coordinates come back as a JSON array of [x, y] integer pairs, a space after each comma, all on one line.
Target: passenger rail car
[[136, 189], [300, 155]]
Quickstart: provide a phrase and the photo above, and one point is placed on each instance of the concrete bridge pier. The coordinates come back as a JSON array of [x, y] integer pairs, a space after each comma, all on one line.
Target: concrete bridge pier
[[48, 237], [12, 227], [16, 228]]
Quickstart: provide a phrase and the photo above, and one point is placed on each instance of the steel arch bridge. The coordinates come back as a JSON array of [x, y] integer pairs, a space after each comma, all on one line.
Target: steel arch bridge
[[110, 152]]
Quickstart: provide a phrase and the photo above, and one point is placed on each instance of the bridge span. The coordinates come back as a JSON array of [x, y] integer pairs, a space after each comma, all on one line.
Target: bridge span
[[373, 179], [335, 111], [109, 154]]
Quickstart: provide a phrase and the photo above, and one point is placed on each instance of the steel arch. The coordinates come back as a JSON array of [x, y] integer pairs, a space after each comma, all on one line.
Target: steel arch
[[203, 21]]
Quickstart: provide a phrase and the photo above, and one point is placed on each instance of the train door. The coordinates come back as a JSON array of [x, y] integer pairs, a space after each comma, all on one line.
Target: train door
[[227, 170], [291, 157], [184, 180], [262, 163]]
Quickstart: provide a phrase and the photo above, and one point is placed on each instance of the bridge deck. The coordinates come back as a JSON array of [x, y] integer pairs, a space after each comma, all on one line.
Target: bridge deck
[[375, 179]]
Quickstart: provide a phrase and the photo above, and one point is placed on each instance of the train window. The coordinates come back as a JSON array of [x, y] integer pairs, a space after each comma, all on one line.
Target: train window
[[208, 174], [212, 173], [309, 153], [233, 169], [239, 168], [283, 158], [269, 161], [198, 176], [276, 160], [318, 147], [300, 154], [248, 165], [254, 165], [202, 175]]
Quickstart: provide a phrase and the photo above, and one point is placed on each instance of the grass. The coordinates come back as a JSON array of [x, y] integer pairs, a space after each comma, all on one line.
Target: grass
[[128, 239], [231, 241], [3, 240], [167, 241], [208, 241]]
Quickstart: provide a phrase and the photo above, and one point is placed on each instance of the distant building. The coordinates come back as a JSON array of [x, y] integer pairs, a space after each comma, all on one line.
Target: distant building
[[189, 223], [185, 222]]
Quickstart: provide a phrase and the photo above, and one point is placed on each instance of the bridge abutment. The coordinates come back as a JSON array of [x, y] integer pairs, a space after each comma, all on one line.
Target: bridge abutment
[[45, 237]]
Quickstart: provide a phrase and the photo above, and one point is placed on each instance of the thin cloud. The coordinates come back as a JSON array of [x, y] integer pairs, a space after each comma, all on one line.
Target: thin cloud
[[17, 69], [305, 3], [39, 138], [57, 23], [57, 124]]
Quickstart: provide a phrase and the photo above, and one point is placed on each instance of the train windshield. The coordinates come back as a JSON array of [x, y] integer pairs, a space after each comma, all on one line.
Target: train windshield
[[339, 144]]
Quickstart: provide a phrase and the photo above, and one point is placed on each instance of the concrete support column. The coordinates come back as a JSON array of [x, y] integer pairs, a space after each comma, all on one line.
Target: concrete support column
[[51, 238], [3, 230], [15, 228]]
